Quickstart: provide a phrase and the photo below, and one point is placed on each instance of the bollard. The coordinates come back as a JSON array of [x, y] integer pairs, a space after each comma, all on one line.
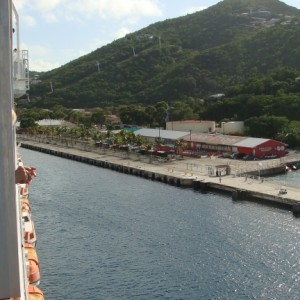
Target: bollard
[[296, 210]]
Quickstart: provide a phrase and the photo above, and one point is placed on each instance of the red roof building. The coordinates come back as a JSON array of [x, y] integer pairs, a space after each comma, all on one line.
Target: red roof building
[[256, 147]]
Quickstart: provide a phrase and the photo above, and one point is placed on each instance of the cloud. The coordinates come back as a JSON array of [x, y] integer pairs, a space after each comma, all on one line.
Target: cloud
[[19, 4], [95, 44], [121, 32], [29, 21], [35, 50], [48, 10], [46, 5], [42, 6], [191, 10], [51, 18], [75, 10], [41, 65], [37, 61], [116, 9]]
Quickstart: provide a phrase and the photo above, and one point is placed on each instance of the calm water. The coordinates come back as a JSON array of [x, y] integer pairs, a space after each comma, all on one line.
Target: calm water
[[107, 235], [288, 179]]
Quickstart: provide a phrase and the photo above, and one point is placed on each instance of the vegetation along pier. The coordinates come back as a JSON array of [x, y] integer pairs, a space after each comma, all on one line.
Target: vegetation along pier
[[242, 182]]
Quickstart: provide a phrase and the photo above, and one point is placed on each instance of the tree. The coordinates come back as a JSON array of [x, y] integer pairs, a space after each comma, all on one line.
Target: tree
[[125, 115], [139, 140], [161, 112], [291, 134], [58, 112], [75, 116], [266, 126], [182, 111], [150, 114], [28, 123], [98, 117]]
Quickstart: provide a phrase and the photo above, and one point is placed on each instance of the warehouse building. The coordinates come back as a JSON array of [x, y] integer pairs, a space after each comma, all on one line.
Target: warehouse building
[[198, 142], [256, 147]]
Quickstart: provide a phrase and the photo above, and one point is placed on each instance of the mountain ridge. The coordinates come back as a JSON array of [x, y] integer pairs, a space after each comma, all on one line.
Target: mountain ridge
[[191, 56]]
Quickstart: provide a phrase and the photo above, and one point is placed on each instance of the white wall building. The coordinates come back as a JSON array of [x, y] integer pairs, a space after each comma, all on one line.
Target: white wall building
[[232, 128], [192, 125]]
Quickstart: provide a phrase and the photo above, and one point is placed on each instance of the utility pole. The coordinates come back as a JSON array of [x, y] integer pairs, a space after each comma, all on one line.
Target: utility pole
[[98, 65], [133, 51], [159, 42]]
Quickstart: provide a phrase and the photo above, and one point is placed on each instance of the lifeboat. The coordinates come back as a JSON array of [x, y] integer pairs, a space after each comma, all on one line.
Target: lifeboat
[[29, 230], [33, 271], [24, 189], [25, 204], [35, 293]]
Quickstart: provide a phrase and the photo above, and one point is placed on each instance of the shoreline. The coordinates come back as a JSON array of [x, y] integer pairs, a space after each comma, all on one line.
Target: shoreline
[[186, 173]]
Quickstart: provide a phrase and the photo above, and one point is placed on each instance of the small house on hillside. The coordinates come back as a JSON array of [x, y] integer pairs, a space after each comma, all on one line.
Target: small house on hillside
[[113, 119]]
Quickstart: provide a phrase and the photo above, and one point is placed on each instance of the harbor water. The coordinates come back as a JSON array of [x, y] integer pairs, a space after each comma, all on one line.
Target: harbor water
[[288, 179], [107, 235]]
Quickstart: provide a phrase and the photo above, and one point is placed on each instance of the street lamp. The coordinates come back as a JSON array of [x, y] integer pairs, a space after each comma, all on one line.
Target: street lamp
[[259, 167]]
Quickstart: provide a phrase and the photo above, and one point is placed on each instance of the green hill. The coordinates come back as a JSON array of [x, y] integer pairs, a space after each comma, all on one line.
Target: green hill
[[217, 50]]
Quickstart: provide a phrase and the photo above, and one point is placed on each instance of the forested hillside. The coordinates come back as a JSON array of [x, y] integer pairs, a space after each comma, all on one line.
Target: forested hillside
[[247, 52], [192, 56]]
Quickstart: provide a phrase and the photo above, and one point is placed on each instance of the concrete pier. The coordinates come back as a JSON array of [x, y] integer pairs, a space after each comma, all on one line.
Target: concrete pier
[[179, 174]]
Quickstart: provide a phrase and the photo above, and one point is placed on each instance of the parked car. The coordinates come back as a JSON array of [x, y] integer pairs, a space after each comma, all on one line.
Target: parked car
[[238, 155], [249, 157]]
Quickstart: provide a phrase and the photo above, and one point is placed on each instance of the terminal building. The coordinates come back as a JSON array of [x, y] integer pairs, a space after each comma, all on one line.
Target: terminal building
[[217, 143]]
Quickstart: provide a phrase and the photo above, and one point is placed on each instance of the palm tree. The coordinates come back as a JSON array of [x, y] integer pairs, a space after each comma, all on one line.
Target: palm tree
[[123, 136], [74, 132], [118, 139], [97, 136], [109, 137], [139, 140], [180, 146], [131, 138], [33, 130]]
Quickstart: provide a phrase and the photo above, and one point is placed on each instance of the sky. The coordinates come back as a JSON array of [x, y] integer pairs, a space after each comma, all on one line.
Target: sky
[[56, 32]]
